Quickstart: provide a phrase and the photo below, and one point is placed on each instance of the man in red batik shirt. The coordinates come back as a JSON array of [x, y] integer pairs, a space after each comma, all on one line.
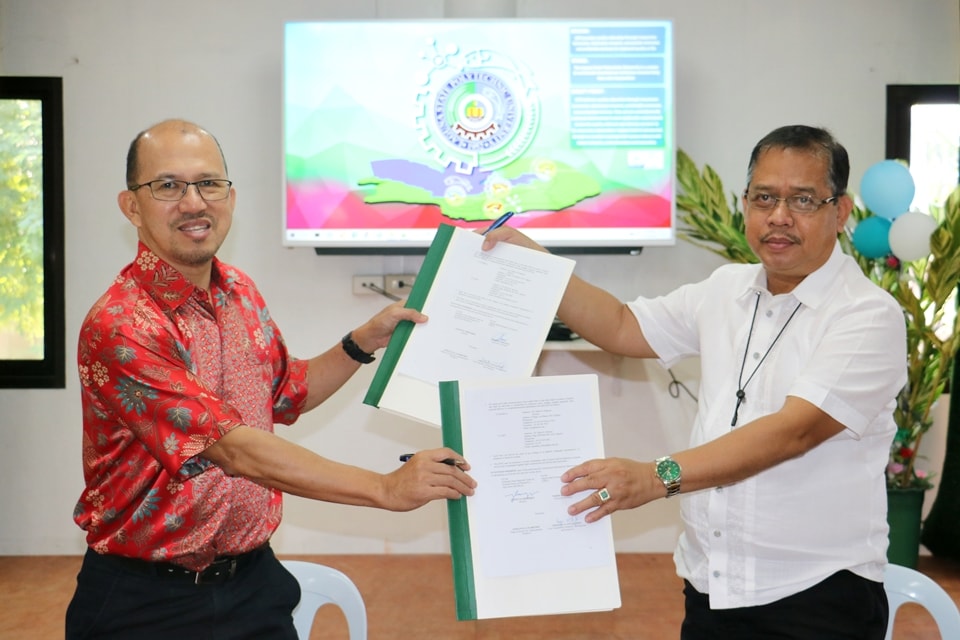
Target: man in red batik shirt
[[183, 376]]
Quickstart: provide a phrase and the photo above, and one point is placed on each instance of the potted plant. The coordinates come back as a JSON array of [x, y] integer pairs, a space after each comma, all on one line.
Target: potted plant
[[924, 287]]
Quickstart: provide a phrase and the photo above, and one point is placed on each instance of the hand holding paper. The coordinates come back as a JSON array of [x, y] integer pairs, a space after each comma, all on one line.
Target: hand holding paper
[[490, 312], [619, 477], [516, 549]]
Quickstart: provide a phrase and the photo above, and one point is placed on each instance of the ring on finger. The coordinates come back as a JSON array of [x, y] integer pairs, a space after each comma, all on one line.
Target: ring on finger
[[603, 495]]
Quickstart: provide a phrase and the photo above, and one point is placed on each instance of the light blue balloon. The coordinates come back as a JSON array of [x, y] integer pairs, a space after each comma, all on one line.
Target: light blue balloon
[[887, 189], [871, 237]]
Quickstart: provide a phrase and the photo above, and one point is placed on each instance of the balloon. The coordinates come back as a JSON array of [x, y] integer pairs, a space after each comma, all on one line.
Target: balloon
[[887, 188], [871, 237], [910, 235]]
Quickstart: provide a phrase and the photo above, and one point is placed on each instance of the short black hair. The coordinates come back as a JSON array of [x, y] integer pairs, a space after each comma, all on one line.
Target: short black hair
[[815, 139]]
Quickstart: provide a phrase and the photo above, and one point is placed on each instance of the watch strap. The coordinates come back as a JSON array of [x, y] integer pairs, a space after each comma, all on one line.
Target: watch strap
[[353, 350]]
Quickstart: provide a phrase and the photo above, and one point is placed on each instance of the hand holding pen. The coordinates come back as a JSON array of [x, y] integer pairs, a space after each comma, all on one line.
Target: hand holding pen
[[432, 474], [453, 462], [510, 234], [499, 222]]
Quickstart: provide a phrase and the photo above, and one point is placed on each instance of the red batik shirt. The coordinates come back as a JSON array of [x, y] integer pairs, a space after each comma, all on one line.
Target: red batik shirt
[[166, 370]]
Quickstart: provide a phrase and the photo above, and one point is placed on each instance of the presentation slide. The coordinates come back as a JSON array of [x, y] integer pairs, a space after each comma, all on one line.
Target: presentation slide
[[393, 127]]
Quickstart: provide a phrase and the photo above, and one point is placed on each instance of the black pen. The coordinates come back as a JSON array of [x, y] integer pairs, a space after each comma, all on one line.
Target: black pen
[[450, 461], [498, 222]]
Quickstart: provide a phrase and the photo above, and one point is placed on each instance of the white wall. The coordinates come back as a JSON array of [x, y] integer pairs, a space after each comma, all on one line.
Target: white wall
[[743, 68]]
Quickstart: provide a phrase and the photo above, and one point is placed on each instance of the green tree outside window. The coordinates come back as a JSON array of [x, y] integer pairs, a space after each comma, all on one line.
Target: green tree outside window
[[21, 230]]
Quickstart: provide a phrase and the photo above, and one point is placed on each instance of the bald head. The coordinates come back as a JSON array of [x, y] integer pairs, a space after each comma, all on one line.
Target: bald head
[[166, 127]]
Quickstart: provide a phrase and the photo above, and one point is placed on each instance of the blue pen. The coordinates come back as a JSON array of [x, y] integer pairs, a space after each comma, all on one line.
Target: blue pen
[[498, 222]]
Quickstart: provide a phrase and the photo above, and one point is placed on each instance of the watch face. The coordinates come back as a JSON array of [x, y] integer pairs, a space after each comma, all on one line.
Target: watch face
[[668, 470]]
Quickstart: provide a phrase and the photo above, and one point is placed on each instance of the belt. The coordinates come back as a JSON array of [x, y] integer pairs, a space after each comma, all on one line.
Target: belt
[[222, 569]]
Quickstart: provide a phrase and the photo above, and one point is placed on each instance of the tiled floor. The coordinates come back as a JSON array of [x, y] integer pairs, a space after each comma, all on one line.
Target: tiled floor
[[411, 597]]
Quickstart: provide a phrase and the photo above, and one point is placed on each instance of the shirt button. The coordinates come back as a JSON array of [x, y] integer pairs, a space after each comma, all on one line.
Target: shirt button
[[756, 355], [716, 574], [719, 488], [716, 533], [769, 313]]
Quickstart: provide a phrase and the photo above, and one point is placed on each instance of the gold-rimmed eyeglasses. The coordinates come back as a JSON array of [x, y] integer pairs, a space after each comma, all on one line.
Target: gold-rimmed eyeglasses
[[800, 203], [174, 190]]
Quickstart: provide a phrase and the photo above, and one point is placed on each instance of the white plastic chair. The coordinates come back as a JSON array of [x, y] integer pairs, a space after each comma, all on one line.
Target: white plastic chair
[[904, 585], [320, 585]]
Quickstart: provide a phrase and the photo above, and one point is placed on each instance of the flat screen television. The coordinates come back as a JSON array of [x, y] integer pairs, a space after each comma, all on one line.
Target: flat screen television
[[393, 127]]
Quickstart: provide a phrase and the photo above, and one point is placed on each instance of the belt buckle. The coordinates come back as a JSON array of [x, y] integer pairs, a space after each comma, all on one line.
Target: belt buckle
[[217, 572]]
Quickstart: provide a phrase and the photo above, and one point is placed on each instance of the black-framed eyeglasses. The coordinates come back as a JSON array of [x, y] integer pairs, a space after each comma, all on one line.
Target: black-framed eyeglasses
[[800, 203], [174, 190]]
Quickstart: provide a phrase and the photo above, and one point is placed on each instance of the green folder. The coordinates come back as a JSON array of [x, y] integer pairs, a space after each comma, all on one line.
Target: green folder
[[416, 300]]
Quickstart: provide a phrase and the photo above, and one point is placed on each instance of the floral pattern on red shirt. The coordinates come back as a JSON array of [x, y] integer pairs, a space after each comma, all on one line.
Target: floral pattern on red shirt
[[166, 369]]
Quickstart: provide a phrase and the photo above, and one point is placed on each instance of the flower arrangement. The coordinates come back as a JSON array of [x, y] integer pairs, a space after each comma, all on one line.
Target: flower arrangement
[[924, 282]]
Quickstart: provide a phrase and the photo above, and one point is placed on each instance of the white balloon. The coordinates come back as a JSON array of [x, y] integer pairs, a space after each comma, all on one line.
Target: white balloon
[[910, 235]]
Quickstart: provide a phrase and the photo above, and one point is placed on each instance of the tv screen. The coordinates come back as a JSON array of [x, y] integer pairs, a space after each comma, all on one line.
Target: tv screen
[[393, 127]]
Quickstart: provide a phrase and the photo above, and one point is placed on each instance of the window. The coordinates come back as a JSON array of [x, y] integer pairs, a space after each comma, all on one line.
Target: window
[[923, 128], [32, 353]]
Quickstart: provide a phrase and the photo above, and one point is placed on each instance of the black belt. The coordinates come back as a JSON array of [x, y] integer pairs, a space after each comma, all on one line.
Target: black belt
[[222, 569]]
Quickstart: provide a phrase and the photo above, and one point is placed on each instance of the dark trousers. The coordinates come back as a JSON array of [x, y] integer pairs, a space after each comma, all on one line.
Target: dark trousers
[[115, 600], [842, 606]]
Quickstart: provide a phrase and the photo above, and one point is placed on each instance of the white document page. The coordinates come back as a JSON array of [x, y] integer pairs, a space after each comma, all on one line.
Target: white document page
[[529, 555], [490, 312]]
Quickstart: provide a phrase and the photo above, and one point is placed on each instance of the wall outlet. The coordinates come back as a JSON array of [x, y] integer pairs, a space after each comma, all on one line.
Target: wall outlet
[[367, 285], [399, 284]]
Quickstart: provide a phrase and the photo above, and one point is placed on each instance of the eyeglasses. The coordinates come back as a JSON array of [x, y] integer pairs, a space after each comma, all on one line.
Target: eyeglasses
[[799, 203], [174, 190]]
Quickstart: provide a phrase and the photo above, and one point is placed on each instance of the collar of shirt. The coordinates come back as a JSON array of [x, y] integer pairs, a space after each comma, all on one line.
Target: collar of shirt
[[813, 290], [168, 286]]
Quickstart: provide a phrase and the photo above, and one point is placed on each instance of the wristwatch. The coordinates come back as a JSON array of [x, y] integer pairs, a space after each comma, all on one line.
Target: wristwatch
[[669, 473]]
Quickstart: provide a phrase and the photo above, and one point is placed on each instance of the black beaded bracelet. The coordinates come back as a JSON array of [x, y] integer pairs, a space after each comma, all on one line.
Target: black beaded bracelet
[[354, 351]]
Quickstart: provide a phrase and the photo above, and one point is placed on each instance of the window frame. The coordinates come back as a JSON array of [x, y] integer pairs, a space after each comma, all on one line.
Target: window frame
[[900, 99], [50, 371]]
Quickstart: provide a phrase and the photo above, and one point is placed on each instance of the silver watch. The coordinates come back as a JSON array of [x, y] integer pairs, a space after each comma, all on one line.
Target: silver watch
[[669, 473]]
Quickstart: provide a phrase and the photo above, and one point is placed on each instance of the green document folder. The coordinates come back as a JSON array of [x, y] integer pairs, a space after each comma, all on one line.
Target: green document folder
[[515, 549], [416, 299]]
